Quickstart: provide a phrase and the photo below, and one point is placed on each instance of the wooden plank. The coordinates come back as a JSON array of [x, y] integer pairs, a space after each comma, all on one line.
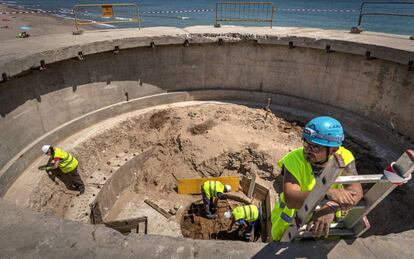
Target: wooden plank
[[266, 217], [96, 215], [193, 185], [158, 208], [251, 186], [128, 225], [259, 192]]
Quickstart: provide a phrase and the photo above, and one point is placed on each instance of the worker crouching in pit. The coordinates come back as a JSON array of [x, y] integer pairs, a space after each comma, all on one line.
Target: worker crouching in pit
[[64, 166], [322, 137], [245, 219], [211, 192]]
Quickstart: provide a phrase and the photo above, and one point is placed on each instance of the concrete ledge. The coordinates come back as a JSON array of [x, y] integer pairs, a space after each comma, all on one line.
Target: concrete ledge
[[17, 56], [51, 237]]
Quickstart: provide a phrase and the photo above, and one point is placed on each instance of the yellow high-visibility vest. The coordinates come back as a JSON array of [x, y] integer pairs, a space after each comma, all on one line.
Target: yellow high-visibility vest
[[67, 162], [211, 188], [249, 213], [301, 169]]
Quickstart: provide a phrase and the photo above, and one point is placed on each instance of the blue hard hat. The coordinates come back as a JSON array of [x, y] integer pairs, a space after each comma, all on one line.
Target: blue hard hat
[[325, 131]]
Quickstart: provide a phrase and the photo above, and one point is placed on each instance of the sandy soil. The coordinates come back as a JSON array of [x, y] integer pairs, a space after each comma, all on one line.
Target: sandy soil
[[192, 141], [39, 24]]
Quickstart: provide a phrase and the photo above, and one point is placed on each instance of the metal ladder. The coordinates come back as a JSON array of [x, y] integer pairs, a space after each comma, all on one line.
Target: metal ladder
[[355, 222]]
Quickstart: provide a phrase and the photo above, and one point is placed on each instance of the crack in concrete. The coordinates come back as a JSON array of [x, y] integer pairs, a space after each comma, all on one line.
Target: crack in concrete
[[369, 249]]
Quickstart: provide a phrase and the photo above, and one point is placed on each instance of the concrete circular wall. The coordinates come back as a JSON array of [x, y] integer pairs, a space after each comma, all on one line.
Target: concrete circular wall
[[373, 96], [54, 86]]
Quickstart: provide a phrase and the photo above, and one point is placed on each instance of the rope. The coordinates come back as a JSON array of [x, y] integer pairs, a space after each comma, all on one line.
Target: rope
[[202, 11]]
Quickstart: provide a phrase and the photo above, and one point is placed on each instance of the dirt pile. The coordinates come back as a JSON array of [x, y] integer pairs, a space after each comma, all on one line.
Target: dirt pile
[[195, 225], [248, 160], [200, 141]]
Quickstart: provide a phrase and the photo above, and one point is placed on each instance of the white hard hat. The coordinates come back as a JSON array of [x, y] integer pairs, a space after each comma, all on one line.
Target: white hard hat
[[227, 214], [45, 148], [227, 188]]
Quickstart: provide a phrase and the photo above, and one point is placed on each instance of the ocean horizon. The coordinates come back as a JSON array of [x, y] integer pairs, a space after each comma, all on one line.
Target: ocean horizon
[[325, 14]]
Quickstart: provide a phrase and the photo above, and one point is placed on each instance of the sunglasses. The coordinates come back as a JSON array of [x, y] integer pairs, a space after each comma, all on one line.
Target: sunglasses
[[312, 147]]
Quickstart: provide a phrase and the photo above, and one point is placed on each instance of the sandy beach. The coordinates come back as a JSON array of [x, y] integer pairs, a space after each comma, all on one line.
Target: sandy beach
[[38, 24]]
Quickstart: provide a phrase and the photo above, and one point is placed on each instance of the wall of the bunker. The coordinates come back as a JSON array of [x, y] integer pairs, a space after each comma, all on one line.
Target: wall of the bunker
[[380, 92]]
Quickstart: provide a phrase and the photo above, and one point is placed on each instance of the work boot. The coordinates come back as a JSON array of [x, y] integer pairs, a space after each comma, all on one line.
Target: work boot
[[211, 216], [81, 189]]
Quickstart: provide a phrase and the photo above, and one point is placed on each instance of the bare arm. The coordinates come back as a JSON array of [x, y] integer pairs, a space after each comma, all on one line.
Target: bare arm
[[55, 164], [294, 197], [351, 194], [355, 187]]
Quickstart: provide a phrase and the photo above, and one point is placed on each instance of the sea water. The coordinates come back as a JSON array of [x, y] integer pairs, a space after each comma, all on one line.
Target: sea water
[[326, 14]]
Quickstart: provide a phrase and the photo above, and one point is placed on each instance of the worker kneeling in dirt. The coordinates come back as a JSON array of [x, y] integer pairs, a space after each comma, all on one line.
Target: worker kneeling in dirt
[[212, 191], [322, 137], [63, 165], [247, 216]]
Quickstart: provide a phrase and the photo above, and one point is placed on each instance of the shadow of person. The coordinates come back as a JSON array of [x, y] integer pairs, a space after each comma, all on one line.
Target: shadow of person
[[278, 184], [224, 235], [72, 180], [306, 249]]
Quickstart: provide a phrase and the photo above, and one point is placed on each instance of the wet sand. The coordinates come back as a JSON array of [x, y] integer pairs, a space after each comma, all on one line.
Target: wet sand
[[39, 24]]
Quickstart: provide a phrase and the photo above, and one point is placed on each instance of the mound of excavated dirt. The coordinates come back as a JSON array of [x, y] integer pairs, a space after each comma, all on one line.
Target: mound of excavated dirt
[[193, 141], [195, 225], [198, 141]]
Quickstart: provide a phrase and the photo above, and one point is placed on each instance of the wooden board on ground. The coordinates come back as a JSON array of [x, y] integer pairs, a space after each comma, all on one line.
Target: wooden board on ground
[[193, 185], [128, 225], [158, 208]]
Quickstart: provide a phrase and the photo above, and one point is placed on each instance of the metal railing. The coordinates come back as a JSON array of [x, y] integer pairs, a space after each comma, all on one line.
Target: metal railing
[[108, 12], [244, 12], [358, 29]]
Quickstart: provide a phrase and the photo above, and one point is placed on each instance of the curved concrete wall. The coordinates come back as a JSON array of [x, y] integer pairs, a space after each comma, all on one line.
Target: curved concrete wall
[[372, 95], [51, 237]]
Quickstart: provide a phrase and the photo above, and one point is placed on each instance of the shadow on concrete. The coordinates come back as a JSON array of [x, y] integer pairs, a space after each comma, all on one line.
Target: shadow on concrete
[[304, 249], [71, 180]]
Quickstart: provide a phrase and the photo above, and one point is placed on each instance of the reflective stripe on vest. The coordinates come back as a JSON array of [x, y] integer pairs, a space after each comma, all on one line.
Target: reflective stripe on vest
[[68, 163], [285, 217], [301, 170], [214, 194], [241, 212], [245, 214], [211, 191]]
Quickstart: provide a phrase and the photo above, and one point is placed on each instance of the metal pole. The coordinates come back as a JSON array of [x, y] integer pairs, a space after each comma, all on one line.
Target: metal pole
[[76, 18], [360, 14], [138, 18], [273, 13]]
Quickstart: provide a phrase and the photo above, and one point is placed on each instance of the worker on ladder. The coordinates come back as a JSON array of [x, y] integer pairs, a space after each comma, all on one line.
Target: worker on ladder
[[211, 192], [322, 137], [247, 216]]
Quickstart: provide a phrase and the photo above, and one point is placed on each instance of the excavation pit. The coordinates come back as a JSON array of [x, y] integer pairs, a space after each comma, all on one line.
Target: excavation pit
[[140, 156], [196, 226]]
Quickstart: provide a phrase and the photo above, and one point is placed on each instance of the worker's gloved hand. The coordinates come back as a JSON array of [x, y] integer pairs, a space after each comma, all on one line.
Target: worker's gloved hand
[[321, 221], [346, 199]]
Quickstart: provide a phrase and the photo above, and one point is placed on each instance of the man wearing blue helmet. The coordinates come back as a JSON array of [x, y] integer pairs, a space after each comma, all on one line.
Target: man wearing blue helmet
[[322, 137]]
